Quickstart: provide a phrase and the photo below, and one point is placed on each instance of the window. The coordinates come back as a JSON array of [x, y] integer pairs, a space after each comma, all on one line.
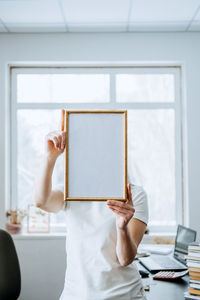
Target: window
[[151, 96]]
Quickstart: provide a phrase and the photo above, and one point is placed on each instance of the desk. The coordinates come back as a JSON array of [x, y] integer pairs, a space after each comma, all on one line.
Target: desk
[[165, 290]]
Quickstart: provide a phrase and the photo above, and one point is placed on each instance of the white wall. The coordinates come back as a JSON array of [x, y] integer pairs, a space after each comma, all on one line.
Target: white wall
[[150, 47], [43, 265]]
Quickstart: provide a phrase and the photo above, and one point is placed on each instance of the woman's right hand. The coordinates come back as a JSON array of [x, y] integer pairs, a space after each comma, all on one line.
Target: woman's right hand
[[56, 140]]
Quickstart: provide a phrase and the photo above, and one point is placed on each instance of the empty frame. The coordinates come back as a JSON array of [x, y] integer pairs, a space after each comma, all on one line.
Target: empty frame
[[96, 155]]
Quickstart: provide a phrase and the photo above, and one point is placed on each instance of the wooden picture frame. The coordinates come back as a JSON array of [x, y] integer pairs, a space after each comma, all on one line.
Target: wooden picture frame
[[106, 122]]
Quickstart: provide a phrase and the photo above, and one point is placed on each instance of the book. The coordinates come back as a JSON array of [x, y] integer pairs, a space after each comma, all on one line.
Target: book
[[194, 253], [195, 286], [194, 281], [194, 247], [194, 276], [194, 269], [194, 291], [189, 296], [195, 264], [192, 257]]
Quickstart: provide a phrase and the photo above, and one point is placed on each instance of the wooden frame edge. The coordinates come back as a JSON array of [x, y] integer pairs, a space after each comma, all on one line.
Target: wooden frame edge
[[93, 199], [125, 154], [66, 155], [98, 111], [66, 198]]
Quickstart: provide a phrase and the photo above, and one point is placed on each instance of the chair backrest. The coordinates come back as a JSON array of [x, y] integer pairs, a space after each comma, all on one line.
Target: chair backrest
[[10, 277]]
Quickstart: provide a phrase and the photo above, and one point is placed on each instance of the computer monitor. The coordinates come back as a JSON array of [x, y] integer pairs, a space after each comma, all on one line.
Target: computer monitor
[[184, 237]]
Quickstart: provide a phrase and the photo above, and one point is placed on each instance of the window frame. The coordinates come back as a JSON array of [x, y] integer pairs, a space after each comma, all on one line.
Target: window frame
[[112, 69]]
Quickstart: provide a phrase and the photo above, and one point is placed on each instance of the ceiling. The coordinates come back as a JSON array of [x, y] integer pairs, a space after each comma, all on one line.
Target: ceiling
[[99, 15]]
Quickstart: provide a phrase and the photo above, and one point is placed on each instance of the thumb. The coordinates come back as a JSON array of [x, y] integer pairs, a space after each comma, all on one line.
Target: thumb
[[129, 200]]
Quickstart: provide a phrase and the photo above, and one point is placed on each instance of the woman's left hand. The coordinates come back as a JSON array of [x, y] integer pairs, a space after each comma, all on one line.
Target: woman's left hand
[[124, 210]]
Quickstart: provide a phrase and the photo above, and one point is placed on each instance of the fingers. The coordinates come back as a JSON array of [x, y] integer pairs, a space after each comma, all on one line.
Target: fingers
[[126, 215], [62, 125], [58, 138], [63, 142], [117, 212], [55, 140], [123, 205], [121, 210]]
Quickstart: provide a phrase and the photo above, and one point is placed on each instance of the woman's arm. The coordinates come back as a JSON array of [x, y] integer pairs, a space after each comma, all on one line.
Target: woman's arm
[[129, 230], [43, 196], [128, 240]]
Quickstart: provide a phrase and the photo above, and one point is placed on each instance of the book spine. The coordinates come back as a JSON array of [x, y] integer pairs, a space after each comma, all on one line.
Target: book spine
[[194, 291]]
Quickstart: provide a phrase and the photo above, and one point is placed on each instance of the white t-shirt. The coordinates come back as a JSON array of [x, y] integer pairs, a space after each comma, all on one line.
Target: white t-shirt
[[93, 271]]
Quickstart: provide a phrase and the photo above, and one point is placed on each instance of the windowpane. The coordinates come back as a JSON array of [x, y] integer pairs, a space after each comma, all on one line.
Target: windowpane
[[145, 87], [33, 125], [57, 88], [150, 157], [151, 132], [151, 160]]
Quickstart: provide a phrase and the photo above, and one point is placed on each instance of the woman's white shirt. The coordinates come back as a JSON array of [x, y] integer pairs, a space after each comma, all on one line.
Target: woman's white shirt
[[93, 271]]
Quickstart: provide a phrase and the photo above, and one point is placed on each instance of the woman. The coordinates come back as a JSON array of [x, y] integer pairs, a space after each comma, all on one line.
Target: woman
[[102, 237]]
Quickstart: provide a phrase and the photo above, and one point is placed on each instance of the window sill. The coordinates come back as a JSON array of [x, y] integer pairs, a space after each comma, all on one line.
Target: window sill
[[153, 238], [39, 236], [159, 238]]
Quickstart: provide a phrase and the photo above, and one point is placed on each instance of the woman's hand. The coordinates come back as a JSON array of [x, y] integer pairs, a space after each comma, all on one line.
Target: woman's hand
[[124, 210], [56, 140], [55, 143]]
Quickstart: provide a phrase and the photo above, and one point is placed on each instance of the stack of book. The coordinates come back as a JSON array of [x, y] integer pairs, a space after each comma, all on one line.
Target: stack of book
[[193, 263]]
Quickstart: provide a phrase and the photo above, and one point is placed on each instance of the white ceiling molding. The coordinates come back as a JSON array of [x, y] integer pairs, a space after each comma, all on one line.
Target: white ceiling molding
[[158, 26], [35, 28], [2, 28], [195, 26], [97, 27]]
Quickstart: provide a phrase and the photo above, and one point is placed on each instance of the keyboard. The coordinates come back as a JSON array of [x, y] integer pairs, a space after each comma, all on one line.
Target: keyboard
[[161, 263], [166, 262], [169, 275]]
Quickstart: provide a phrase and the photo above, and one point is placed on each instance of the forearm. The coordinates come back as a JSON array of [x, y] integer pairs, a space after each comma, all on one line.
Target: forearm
[[126, 248], [43, 182]]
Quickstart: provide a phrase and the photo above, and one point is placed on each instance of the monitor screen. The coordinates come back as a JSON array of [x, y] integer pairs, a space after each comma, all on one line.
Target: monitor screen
[[184, 237]]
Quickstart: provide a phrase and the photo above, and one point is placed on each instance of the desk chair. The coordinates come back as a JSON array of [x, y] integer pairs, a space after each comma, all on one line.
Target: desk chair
[[10, 277]]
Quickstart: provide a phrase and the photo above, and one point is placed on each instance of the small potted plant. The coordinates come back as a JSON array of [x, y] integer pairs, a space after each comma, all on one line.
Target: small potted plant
[[15, 218]]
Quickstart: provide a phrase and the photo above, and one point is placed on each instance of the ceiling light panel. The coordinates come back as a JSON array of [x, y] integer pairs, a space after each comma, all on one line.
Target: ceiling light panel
[[163, 10], [96, 11], [45, 11]]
